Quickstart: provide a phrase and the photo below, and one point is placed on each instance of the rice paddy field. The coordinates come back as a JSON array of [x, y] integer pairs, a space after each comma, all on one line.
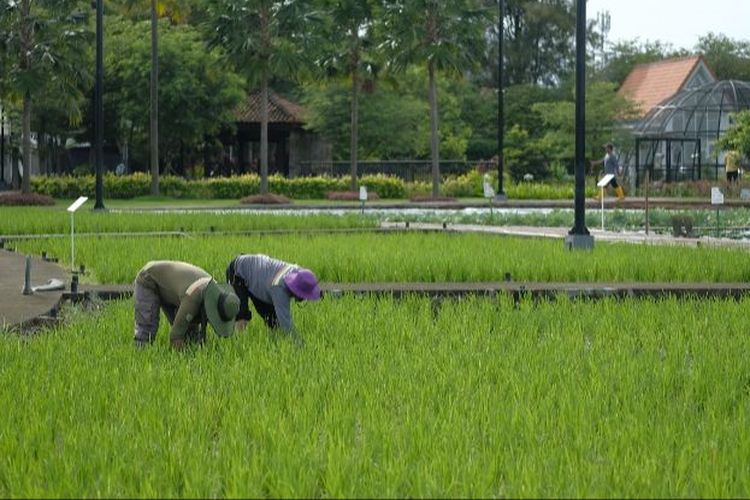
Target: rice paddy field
[[415, 397]]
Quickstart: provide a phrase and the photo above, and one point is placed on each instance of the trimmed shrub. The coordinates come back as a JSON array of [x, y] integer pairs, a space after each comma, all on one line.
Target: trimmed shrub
[[385, 186], [430, 199], [28, 199], [468, 185], [266, 199], [350, 195], [139, 184]]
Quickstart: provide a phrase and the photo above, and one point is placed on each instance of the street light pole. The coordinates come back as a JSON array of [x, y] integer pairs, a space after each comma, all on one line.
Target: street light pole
[[500, 195], [98, 106], [579, 237]]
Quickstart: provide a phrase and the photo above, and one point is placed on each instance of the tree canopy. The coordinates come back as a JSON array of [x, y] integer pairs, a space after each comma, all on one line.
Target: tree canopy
[[197, 95], [380, 79]]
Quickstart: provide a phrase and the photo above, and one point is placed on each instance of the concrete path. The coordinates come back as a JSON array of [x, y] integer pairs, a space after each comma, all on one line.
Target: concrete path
[[561, 232], [609, 203], [17, 309]]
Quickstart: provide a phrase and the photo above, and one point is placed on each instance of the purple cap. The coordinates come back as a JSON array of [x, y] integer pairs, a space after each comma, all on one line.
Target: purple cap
[[303, 284]]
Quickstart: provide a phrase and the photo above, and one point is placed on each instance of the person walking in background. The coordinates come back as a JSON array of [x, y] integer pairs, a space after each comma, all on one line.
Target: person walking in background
[[611, 166], [190, 298], [271, 284], [732, 165]]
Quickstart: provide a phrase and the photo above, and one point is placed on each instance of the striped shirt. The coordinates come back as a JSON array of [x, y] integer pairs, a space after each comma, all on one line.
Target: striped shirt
[[264, 279]]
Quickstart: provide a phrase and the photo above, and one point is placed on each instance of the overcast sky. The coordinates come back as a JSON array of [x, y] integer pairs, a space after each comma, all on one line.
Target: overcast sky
[[679, 22]]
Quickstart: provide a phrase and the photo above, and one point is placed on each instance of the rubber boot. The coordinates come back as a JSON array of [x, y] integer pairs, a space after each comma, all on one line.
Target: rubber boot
[[620, 193]]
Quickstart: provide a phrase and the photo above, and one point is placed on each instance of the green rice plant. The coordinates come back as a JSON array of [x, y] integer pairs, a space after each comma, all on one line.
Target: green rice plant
[[411, 398], [407, 257], [48, 221], [36, 220]]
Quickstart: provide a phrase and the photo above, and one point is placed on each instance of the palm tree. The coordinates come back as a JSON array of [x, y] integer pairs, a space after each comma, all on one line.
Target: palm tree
[[158, 9], [267, 39], [349, 33], [42, 39], [446, 36]]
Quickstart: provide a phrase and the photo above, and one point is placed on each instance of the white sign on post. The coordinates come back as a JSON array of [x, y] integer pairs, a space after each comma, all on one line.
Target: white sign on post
[[717, 197], [488, 191], [604, 181], [72, 209], [362, 193]]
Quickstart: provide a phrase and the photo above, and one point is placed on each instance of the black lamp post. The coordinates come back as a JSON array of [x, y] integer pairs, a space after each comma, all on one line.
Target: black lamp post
[[98, 106], [500, 195], [579, 237]]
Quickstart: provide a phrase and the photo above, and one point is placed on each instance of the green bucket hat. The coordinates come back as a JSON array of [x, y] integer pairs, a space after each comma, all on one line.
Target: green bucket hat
[[222, 306]]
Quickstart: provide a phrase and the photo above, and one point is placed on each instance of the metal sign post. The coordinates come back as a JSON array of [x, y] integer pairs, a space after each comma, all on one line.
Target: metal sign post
[[647, 218], [604, 182], [72, 209], [488, 192], [717, 198]]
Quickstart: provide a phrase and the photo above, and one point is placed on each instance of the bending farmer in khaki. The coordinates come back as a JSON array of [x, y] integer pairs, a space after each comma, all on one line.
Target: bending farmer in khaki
[[271, 284], [190, 297]]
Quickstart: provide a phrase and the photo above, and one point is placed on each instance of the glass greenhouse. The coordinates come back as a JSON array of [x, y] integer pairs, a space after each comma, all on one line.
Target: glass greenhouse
[[676, 140]]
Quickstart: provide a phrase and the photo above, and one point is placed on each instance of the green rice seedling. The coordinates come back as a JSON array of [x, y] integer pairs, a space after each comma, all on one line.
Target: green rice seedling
[[35, 220], [389, 398], [405, 257]]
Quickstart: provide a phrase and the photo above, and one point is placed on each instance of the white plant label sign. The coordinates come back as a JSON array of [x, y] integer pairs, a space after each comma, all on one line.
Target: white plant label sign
[[362, 193], [488, 191], [605, 180], [717, 197], [77, 204]]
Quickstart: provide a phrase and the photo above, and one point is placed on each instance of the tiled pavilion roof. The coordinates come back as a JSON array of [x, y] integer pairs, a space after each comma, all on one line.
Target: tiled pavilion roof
[[280, 110]]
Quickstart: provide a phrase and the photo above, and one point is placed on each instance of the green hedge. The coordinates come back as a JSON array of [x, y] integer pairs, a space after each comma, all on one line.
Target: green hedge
[[138, 184], [468, 185]]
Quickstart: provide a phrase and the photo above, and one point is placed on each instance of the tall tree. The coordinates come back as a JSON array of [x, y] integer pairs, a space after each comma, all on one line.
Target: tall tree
[[604, 107], [267, 39], [197, 86], [349, 32], [539, 46], [157, 10], [737, 136], [728, 58], [624, 55], [42, 40], [444, 36]]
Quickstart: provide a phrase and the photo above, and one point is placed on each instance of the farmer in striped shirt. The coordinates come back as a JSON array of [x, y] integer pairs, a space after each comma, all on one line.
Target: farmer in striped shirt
[[271, 284]]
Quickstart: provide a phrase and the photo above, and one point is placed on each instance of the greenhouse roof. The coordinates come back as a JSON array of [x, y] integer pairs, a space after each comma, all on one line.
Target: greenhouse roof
[[699, 112]]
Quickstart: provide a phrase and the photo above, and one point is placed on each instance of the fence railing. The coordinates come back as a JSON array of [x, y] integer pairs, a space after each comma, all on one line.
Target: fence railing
[[408, 170]]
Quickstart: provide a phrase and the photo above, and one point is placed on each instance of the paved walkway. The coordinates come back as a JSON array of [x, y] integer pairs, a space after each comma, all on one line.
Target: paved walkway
[[561, 232], [609, 203], [16, 308]]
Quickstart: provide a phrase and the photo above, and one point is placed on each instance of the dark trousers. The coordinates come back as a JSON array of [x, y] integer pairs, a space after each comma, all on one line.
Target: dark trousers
[[147, 305], [266, 310], [613, 183]]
